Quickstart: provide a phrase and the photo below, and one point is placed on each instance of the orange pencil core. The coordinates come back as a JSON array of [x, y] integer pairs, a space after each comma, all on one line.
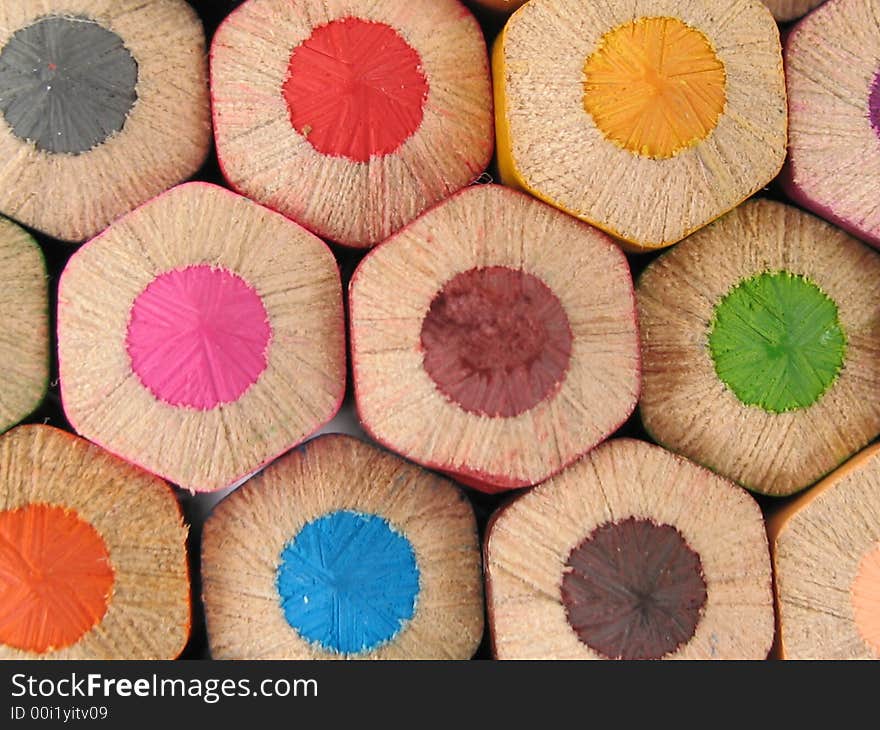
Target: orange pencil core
[[655, 87], [55, 577]]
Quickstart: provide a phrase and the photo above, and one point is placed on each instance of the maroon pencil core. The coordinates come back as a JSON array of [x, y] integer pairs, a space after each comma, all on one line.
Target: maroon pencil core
[[496, 341], [634, 590]]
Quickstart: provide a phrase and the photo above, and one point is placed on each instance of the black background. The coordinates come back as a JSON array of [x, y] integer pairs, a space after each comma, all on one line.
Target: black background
[[194, 507]]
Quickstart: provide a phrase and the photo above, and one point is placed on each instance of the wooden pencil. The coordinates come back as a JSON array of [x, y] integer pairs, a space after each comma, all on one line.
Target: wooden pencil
[[761, 347], [351, 118], [104, 104], [647, 123], [788, 10], [826, 555], [342, 551], [92, 554], [479, 349], [201, 336], [24, 324], [834, 99], [631, 553]]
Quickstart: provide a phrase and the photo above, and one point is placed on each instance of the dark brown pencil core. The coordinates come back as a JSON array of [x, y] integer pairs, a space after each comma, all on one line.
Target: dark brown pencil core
[[634, 590], [496, 341], [66, 84]]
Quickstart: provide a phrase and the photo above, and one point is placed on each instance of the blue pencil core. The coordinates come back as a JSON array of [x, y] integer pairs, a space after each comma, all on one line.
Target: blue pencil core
[[348, 581]]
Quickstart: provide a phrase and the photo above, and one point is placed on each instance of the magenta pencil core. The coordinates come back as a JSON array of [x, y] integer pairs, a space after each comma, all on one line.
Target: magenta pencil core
[[198, 337]]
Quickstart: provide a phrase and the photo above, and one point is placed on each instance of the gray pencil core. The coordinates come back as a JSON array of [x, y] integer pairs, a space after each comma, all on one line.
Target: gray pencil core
[[66, 84]]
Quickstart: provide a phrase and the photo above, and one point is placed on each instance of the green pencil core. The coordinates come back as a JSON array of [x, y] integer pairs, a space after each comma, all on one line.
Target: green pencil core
[[777, 342]]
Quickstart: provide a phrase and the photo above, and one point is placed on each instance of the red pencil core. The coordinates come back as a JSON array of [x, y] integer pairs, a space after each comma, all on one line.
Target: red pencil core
[[496, 341], [355, 89], [55, 577]]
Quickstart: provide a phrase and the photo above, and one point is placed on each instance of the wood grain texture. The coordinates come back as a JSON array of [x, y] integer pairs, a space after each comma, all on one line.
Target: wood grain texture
[[786, 10], [819, 542], [832, 60], [686, 407], [139, 520], [244, 537], [356, 204]]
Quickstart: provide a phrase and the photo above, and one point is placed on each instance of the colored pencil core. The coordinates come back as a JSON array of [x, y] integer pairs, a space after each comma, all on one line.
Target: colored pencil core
[[874, 104], [496, 341], [355, 89], [198, 337], [866, 599], [66, 84], [655, 87], [348, 581], [776, 341], [55, 578], [634, 590]]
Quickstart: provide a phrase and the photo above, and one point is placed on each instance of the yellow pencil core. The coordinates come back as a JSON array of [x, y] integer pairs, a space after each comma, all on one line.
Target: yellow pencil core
[[655, 87], [866, 599]]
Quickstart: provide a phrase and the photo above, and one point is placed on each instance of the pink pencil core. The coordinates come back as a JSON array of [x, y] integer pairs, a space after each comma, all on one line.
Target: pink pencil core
[[198, 337], [496, 341], [355, 89]]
